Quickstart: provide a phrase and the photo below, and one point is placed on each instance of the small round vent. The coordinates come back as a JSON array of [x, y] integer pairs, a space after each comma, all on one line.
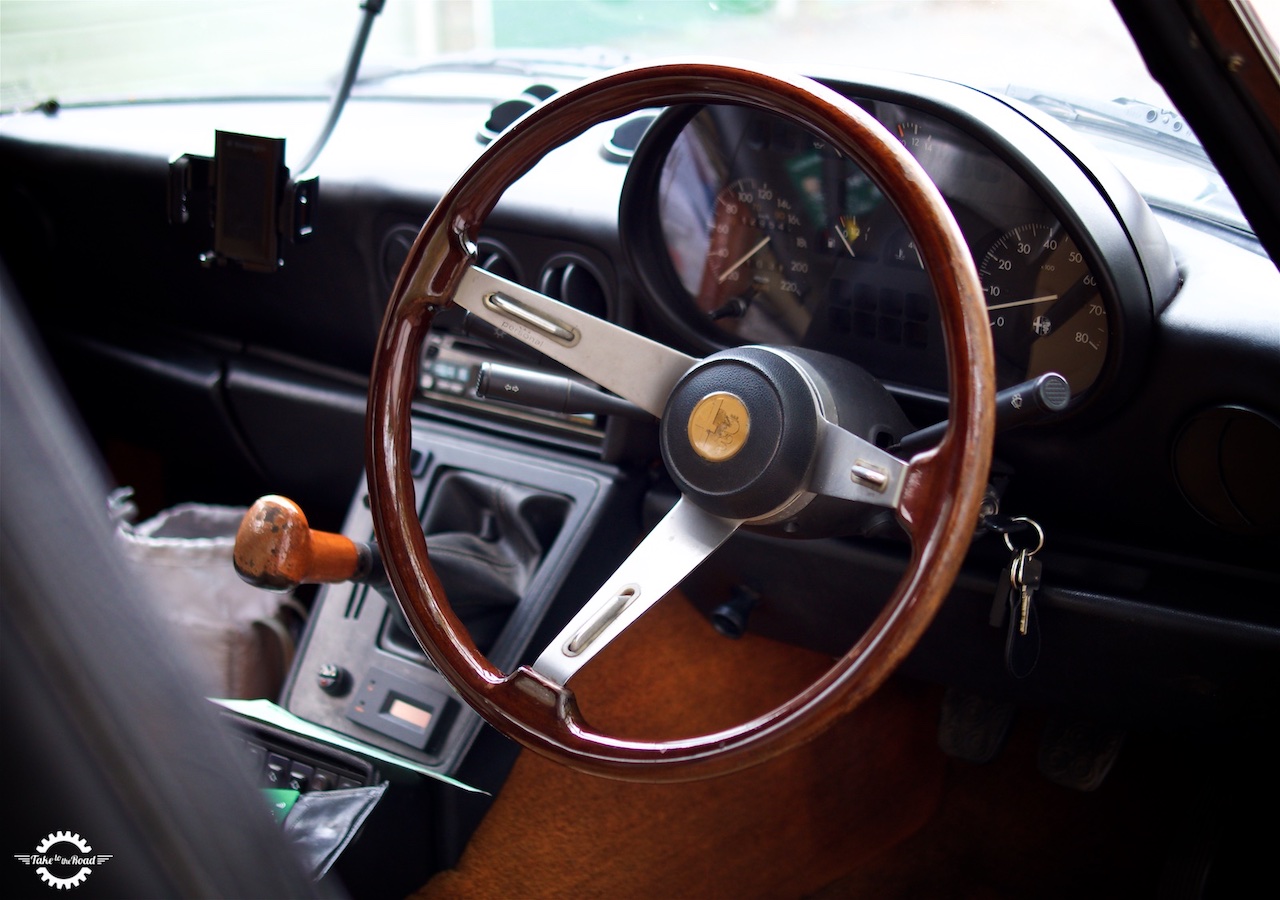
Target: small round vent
[[621, 145], [1224, 460], [571, 280], [496, 259], [506, 112], [492, 256]]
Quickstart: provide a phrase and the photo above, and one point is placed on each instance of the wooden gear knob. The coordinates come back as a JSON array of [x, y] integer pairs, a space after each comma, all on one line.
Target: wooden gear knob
[[277, 550]]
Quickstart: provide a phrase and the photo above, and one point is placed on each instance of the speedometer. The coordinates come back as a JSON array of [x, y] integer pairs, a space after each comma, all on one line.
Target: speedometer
[[757, 269], [1045, 307]]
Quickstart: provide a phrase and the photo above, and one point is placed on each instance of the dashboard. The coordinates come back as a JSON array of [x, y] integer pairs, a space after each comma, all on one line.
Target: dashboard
[[718, 227], [214, 317], [1117, 586]]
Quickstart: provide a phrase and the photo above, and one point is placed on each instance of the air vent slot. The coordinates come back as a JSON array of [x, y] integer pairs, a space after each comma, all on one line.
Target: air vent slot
[[1224, 463], [394, 251], [491, 255], [571, 280], [506, 112]]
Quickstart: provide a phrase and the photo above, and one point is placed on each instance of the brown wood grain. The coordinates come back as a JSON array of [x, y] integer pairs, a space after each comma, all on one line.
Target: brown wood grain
[[1231, 33], [943, 492]]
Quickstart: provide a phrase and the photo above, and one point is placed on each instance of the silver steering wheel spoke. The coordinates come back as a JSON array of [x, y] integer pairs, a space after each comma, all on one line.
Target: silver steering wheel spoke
[[852, 468], [684, 538], [634, 367]]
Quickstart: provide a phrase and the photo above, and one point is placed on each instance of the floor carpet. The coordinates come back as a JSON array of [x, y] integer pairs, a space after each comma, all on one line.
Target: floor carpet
[[784, 828]]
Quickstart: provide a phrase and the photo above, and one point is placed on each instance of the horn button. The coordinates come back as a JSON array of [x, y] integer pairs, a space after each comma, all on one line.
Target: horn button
[[739, 433]]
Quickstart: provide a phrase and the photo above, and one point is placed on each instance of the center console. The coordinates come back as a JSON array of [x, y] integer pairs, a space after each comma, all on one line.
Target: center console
[[506, 526]]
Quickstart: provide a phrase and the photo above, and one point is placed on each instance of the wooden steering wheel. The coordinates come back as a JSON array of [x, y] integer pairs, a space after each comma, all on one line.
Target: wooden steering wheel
[[799, 452]]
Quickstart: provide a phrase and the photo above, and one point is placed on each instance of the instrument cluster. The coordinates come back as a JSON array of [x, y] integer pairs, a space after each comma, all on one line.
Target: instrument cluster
[[745, 228]]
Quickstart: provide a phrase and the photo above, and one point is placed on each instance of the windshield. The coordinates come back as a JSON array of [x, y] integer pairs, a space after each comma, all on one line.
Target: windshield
[[1073, 57], [90, 50]]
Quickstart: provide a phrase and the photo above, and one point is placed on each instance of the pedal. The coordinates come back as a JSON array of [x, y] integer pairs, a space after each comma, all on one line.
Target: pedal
[[973, 728], [1078, 755]]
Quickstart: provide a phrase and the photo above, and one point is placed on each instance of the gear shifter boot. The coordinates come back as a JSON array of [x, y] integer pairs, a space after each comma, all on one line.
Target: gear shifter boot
[[483, 547], [486, 537]]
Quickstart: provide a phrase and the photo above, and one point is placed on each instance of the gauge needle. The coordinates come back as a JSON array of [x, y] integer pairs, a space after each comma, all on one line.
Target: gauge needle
[[1045, 299], [844, 240], [742, 259]]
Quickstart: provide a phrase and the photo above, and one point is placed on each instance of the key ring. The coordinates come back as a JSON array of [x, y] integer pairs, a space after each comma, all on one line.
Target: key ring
[[1016, 569], [1039, 536]]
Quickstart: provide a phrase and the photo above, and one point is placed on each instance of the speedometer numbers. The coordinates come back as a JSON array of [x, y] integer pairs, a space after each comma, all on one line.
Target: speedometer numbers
[[1046, 309], [758, 262]]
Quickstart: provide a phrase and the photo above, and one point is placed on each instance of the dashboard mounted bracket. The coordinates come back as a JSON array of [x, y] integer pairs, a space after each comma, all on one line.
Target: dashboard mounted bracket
[[242, 196]]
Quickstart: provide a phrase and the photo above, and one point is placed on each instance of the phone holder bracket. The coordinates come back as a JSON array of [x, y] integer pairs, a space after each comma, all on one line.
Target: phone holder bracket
[[243, 197]]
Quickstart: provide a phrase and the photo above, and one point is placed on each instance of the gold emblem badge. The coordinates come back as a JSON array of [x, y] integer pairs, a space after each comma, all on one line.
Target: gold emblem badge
[[718, 426]]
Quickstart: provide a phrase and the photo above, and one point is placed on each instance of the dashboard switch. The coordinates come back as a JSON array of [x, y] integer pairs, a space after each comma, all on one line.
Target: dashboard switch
[[334, 680]]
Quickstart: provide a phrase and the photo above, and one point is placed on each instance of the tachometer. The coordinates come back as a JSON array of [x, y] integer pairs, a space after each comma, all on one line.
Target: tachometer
[[1046, 309]]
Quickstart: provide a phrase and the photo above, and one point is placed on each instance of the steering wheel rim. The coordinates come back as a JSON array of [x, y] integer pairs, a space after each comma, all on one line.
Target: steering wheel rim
[[941, 489]]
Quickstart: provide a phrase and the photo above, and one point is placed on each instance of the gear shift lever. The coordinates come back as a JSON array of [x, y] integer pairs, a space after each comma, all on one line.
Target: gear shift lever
[[487, 538], [277, 550]]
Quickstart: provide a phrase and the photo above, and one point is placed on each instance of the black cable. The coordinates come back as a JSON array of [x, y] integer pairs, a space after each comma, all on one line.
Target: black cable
[[371, 9]]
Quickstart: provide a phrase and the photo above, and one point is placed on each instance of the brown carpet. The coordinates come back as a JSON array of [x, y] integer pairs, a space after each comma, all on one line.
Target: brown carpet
[[871, 809], [783, 829]]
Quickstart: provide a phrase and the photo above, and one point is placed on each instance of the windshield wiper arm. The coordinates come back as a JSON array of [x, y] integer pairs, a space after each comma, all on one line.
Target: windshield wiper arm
[[1155, 124], [570, 63]]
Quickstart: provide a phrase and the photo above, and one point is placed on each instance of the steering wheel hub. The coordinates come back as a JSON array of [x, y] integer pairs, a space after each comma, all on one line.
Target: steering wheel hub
[[739, 433]]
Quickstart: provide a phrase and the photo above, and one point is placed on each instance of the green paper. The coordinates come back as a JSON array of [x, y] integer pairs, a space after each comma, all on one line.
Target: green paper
[[271, 714], [280, 800]]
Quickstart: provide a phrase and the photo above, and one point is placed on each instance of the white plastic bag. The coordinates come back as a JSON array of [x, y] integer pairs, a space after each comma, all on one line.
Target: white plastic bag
[[238, 637]]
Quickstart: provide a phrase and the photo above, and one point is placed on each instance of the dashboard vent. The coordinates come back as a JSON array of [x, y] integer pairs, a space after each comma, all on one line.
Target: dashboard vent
[[571, 280], [622, 143], [391, 256], [491, 255], [1224, 462], [496, 259], [506, 112]]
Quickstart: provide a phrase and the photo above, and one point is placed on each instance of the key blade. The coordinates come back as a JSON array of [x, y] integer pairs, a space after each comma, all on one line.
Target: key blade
[[1024, 610], [1032, 570]]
